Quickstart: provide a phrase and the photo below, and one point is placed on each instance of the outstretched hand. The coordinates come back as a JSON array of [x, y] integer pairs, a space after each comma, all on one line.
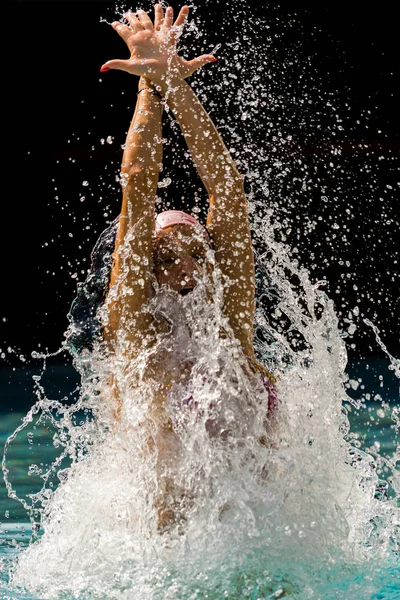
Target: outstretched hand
[[153, 46]]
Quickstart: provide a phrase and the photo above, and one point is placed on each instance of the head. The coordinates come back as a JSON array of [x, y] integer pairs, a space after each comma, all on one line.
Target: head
[[180, 251]]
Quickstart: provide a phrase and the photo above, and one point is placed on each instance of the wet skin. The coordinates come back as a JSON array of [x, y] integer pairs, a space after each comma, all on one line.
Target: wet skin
[[180, 258]]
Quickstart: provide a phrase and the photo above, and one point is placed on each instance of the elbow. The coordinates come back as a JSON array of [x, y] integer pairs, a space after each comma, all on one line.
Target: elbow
[[133, 171], [227, 178], [229, 189], [139, 179]]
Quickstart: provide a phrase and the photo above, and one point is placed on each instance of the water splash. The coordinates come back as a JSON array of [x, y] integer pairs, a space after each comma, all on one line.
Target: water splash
[[311, 495], [394, 362]]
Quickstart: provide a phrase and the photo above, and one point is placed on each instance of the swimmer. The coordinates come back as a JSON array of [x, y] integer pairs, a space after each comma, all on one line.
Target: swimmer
[[145, 251]]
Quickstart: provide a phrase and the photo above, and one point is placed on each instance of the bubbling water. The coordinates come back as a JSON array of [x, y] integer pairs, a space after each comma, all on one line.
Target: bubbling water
[[305, 492], [211, 508]]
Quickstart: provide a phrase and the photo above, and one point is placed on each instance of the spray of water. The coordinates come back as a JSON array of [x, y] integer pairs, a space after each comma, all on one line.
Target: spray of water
[[219, 507]]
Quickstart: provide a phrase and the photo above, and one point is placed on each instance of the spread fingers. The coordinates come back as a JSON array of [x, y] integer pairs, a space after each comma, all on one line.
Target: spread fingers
[[169, 17], [182, 17], [158, 16], [145, 20], [133, 21]]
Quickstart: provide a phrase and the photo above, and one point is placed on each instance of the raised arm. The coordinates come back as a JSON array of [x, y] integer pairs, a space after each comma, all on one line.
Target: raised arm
[[227, 221], [130, 282], [227, 218]]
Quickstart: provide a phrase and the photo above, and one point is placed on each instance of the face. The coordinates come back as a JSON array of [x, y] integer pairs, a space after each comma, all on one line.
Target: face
[[179, 258]]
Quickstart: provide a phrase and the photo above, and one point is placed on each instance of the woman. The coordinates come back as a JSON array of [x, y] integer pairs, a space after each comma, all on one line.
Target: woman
[[141, 257]]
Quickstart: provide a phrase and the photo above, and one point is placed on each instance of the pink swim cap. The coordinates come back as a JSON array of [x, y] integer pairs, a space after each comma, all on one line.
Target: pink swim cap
[[178, 217]]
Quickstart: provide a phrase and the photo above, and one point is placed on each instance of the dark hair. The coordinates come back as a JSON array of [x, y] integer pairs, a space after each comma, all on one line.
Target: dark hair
[[85, 327]]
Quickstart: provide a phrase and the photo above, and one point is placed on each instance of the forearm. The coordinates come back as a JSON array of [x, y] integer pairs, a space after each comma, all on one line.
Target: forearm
[[212, 159], [227, 218], [142, 156], [139, 176]]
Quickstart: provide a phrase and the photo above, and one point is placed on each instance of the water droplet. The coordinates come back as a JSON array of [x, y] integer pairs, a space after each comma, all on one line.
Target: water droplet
[[164, 182]]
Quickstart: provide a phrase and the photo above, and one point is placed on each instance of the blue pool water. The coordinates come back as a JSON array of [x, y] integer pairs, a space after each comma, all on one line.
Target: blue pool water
[[253, 573]]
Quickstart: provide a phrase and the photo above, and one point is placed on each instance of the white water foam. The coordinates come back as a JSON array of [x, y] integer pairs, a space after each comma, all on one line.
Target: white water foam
[[270, 510]]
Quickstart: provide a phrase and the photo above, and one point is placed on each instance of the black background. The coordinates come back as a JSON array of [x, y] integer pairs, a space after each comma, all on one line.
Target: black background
[[57, 108]]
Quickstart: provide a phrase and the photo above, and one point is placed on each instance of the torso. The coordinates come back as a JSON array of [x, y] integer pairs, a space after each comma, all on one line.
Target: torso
[[177, 371]]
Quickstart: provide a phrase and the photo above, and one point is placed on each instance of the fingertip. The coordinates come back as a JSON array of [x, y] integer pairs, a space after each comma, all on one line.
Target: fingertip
[[104, 68]]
